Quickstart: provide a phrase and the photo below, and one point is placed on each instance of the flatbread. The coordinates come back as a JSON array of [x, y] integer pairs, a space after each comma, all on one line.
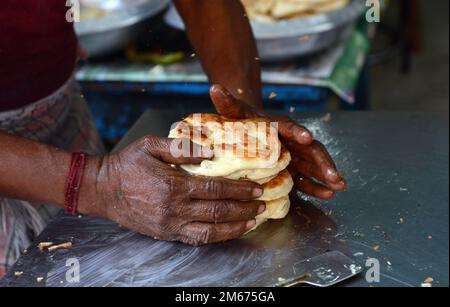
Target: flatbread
[[230, 141], [275, 209], [272, 10], [263, 175], [278, 187], [243, 149]]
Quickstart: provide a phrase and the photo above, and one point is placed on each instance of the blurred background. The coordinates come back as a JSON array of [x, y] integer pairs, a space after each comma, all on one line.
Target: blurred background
[[324, 56]]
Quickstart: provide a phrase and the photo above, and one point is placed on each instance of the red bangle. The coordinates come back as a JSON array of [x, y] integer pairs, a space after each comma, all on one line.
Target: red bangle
[[73, 183]]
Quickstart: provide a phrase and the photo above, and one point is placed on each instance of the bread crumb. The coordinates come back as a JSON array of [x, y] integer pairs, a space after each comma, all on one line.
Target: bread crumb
[[240, 91], [376, 248], [39, 279], [63, 245], [401, 221], [43, 245], [428, 280], [272, 95], [18, 273]]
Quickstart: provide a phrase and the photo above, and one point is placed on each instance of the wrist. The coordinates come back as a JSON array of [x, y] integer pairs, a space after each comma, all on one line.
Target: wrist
[[90, 200]]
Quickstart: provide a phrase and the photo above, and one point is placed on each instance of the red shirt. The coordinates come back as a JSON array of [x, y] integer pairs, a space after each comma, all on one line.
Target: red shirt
[[37, 50]]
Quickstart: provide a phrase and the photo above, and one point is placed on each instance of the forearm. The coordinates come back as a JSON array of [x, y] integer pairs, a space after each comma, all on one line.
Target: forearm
[[32, 171], [221, 35], [37, 172]]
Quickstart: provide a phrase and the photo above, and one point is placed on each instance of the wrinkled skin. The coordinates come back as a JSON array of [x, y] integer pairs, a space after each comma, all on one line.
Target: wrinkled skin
[[312, 167], [140, 191]]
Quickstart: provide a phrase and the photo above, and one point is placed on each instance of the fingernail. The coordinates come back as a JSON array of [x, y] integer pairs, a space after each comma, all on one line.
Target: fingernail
[[306, 135], [257, 192], [332, 173], [261, 209], [251, 224]]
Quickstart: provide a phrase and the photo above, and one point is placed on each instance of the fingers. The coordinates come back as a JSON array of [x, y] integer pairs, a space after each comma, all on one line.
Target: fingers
[[229, 106], [219, 188], [206, 233], [220, 211], [225, 103], [317, 154], [319, 172], [291, 131], [175, 151], [308, 186]]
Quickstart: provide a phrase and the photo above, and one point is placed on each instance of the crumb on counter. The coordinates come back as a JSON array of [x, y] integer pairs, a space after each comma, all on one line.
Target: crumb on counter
[[428, 280], [43, 245], [63, 245]]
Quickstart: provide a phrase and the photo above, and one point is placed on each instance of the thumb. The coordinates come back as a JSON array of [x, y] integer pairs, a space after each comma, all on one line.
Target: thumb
[[169, 151], [225, 104]]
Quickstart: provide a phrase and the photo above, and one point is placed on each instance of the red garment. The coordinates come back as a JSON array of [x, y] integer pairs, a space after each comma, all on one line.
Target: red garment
[[37, 50]]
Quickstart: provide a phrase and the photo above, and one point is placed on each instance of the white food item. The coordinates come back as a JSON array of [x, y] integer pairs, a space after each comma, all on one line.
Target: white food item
[[243, 149], [278, 187], [266, 166]]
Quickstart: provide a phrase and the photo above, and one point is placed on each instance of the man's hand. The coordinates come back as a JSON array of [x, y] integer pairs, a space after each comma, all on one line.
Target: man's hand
[[312, 167], [139, 190]]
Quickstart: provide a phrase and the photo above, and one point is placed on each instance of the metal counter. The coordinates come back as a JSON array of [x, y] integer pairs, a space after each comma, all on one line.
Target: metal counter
[[395, 210]]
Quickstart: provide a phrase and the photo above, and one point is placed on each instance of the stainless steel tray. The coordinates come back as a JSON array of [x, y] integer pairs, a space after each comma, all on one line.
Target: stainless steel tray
[[295, 37], [119, 27]]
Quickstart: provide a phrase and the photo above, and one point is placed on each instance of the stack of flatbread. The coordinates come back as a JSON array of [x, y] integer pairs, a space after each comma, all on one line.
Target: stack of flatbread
[[246, 149], [271, 10]]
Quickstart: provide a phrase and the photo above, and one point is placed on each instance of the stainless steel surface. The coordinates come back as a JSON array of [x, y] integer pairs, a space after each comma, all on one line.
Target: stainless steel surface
[[395, 210], [118, 28], [295, 37], [324, 270]]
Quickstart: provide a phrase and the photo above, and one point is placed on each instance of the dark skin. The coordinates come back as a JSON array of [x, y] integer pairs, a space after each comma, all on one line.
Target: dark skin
[[239, 92], [312, 167], [137, 189]]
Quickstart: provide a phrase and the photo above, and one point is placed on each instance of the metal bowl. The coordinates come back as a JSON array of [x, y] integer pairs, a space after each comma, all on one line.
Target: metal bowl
[[118, 27], [296, 37]]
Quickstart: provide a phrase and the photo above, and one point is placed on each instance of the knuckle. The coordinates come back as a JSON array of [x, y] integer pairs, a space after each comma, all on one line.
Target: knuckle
[[220, 209], [159, 143], [215, 188], [171, 187], [162, 222], [190, 241], [205, 235], [146, 141]]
